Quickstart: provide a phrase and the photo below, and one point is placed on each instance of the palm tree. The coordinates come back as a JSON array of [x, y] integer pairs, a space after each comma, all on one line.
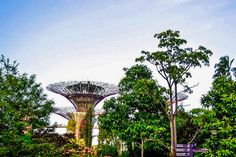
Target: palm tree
[[224, 68]]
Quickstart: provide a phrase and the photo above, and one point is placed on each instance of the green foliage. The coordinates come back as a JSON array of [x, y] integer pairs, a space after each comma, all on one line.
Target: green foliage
[[185, 126], [24, 109], [221, 100], [124, 154], [132, 76], [70, 128], [224, 68], [88, 126], [80, 142], [191, 124], [38, 150], [173, 61], [108, 150], [139, 113], [219, 114]]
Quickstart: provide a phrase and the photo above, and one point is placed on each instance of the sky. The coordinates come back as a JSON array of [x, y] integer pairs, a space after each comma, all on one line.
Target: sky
[[64, 40]]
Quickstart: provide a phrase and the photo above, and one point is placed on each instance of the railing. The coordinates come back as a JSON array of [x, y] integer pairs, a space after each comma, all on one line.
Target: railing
[[184, 150], [187, 150]]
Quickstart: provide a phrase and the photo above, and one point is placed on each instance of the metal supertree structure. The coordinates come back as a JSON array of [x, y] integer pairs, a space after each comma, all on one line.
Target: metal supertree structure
[[83, 95]]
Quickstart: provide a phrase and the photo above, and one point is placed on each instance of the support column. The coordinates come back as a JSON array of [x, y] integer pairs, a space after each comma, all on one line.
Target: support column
[[78, 117]]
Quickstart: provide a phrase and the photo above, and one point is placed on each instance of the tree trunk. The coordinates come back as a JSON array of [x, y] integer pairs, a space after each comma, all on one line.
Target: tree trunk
[[172, 126], [173, 122], [173, 135], [142, 149]]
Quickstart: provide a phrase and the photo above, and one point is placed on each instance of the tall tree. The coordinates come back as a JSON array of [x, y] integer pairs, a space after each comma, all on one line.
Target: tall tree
[[138, 114], [221, 101], [173, 62], [24, 109], [215, 122], [224, 68]]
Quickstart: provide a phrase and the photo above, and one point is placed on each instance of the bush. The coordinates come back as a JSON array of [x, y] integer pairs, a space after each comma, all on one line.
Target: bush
[[124, 154], [108, 150]]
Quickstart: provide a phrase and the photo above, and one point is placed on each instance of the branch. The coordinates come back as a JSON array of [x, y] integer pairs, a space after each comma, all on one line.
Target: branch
[[164, 76], [162, 66], [172, 83], [194, 136], [167, 147], [158, 142], [186, 69]]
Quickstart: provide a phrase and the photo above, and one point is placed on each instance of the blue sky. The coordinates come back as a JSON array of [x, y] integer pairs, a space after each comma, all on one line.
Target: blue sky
[[62, 40]]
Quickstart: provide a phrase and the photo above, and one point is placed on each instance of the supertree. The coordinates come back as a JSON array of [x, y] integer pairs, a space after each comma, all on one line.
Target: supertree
[[84, 96]]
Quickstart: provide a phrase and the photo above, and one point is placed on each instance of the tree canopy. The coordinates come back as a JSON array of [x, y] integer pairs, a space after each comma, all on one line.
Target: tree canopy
[[215, 122], [224, 68], [24, 110], [137, 115], [173, 61], [221, 100]]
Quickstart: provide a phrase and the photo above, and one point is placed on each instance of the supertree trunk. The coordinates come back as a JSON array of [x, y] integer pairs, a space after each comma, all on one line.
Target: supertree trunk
[[78, 118]]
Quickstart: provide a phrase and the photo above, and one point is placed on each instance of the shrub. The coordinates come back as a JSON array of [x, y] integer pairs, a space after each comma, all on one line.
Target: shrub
[[108, 150]]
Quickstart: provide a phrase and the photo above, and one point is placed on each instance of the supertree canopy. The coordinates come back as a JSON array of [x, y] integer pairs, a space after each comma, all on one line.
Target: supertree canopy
[[82, 93], [84, 96]]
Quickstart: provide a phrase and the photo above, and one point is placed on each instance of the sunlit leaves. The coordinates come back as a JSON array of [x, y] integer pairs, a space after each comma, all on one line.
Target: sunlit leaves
[[221, 101], [173, 60], [139, 112], [23, 107]]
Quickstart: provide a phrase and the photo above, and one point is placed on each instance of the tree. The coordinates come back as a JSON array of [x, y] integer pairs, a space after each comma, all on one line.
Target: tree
[[224, 68], [24, 110], [138, 114], [185, 126], [173, 63], [218, 113], [88, 126], [221, 101]]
